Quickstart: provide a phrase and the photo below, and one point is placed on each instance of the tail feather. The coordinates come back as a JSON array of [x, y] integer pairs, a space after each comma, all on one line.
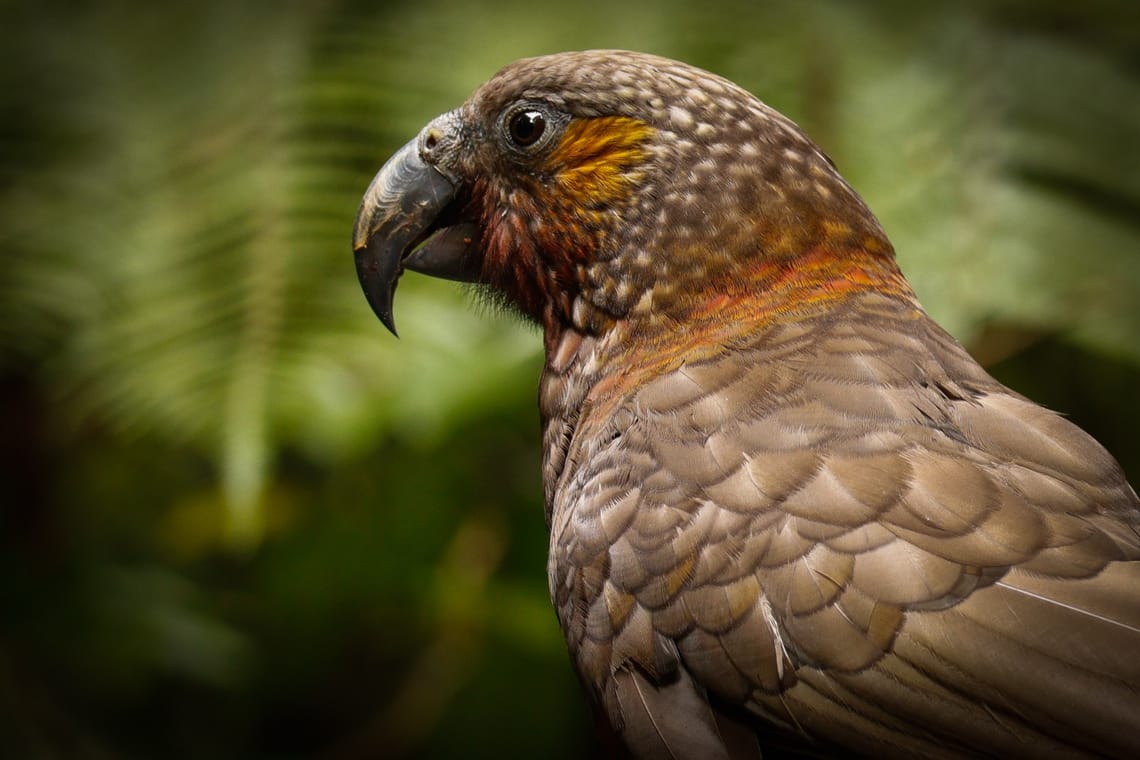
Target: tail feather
[[672, 720]]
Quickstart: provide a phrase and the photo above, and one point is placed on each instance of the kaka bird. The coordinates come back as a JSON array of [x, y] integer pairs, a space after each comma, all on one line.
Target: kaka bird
[[786, 509]]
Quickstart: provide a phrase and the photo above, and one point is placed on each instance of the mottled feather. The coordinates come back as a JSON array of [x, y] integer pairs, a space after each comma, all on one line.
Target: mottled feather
[[783, 504], [939, 567]]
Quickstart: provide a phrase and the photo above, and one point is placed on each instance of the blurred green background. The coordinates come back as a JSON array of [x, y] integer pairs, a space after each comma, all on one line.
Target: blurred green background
[[240, 520]]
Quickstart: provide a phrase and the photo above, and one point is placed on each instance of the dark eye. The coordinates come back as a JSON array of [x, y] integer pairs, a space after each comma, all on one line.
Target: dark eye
[[527, 127]]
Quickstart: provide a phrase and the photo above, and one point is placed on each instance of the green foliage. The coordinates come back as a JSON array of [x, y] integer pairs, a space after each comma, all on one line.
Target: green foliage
[[236, 508]]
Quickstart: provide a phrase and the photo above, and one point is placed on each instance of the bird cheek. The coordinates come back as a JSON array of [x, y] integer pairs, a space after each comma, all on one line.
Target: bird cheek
[[511, 259], [509, 243]]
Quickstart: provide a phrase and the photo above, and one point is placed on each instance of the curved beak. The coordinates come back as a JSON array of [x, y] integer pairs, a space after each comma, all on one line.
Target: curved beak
[[406, 205]]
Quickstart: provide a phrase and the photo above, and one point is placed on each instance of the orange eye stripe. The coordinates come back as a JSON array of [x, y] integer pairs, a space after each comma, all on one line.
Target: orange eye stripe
[[597, 158]]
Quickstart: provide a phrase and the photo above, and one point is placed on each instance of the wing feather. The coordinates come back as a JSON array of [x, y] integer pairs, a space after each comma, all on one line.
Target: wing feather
[[896, 554]]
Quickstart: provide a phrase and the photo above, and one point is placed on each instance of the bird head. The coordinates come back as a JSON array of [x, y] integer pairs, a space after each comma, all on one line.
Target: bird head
[[596, 187]]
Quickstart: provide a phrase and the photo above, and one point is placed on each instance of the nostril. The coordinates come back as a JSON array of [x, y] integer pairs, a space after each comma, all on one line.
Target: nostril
[[431, 139]]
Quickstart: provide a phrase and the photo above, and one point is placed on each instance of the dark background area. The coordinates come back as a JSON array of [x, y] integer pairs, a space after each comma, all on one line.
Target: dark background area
[[240, 520]]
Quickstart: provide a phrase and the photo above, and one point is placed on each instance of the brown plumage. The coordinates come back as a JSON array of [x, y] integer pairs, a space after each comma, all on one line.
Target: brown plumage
[[786, 509]]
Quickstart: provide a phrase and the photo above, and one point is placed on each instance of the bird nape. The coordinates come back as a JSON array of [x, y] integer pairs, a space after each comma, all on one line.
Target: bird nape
[[786, 509]]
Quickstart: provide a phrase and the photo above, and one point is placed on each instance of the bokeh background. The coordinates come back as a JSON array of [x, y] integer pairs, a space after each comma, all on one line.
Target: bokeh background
[[240, 520]]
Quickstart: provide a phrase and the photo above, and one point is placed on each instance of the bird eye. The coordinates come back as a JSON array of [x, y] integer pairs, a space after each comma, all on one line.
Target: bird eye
[[526, 127]]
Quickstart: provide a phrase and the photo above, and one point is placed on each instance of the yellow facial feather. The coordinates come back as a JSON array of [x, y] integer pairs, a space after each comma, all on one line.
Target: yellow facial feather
[[597, 158]]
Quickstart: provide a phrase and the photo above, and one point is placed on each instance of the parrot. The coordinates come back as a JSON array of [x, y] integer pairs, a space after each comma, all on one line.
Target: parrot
[[788, 513]]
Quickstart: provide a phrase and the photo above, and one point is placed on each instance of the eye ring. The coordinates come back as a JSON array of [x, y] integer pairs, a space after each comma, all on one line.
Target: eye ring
[[530, 126]]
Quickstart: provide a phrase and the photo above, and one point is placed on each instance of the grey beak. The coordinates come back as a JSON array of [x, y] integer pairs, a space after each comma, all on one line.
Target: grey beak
[[404, 200]]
